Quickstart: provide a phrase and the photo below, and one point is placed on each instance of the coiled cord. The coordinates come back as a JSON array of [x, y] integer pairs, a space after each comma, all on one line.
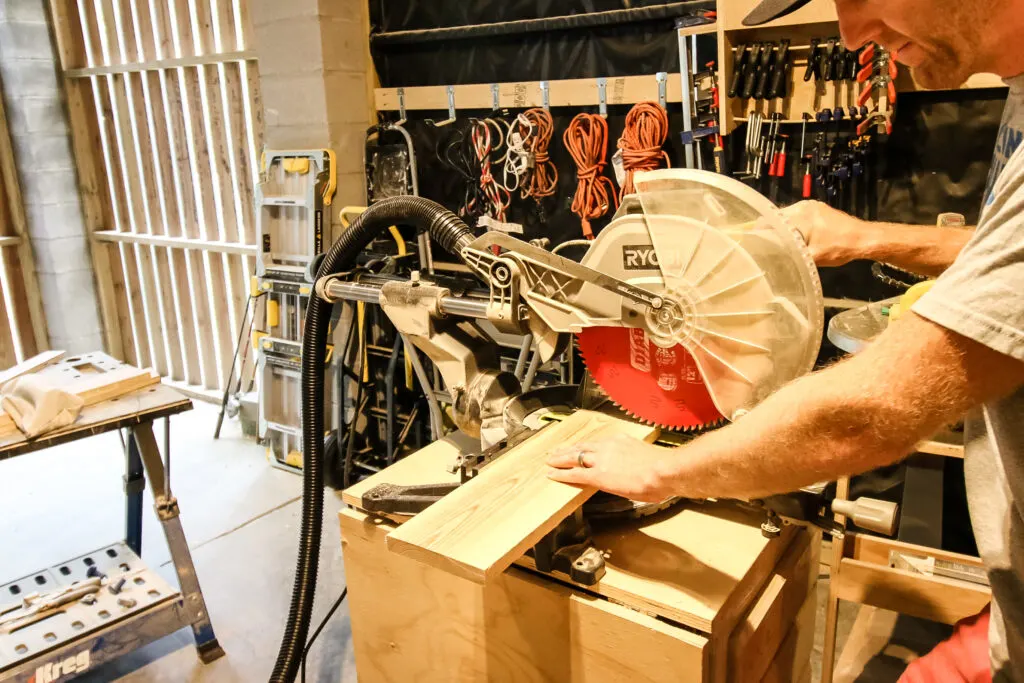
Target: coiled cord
[[518, 158], [496, 197], [544, 178], [586, 138], [645, 132]]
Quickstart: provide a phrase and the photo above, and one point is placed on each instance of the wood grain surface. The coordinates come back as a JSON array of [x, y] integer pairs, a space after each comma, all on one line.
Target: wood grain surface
[[485, 525]]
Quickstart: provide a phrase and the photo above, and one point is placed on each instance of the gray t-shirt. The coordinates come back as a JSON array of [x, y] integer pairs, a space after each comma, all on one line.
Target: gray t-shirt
[[981, 296]]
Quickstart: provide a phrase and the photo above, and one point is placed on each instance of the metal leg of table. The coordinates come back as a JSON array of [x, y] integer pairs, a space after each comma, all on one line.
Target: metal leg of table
[[167, 511], [134, 485]]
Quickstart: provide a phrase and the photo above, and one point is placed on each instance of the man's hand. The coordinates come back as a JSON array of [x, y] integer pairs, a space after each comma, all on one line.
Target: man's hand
[[621, 465], [831, 235]]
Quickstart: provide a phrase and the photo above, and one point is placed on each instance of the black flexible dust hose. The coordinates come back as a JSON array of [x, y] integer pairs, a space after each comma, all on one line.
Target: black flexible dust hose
[[452, 234]]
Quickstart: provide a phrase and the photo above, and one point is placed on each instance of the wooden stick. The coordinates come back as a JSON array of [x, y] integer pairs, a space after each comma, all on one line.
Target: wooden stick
[[33, 364]]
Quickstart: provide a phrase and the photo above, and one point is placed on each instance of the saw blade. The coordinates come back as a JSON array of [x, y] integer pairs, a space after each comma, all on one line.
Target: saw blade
[[662, 386]]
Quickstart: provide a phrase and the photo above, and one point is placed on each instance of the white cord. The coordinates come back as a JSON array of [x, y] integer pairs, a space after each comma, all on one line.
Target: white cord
[[518, 158]]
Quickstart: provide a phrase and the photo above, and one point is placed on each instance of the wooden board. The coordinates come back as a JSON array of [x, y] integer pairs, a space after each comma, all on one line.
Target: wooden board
[[485, 525], [794, 653], [876, 550], [757, 637], [927, 597], [33, 364], [571, 92], [412, 621]]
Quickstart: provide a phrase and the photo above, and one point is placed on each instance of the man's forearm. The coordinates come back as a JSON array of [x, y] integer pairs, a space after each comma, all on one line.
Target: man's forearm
[[923, 249], [807, 432], [865, 412]]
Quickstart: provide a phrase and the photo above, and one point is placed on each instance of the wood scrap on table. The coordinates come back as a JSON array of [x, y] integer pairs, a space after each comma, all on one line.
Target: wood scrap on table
[[93, 387], [31, 365], [482, 527]]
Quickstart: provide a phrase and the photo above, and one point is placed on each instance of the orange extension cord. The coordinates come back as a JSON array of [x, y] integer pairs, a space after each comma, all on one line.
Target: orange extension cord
[[645, 132], [544, 178], [586, 138]]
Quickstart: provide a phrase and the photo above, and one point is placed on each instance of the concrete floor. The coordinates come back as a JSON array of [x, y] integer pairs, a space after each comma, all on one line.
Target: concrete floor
[[240, 516]]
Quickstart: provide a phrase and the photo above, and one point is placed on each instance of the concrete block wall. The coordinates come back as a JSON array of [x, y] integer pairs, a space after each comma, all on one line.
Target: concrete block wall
[[46, 170], [313, 63]]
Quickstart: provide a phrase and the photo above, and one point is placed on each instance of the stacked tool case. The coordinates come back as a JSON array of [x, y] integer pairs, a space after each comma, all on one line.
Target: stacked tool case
[[292, 200]]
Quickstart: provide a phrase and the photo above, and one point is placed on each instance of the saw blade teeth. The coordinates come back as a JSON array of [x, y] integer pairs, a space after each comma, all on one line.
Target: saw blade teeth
[[689, 421]]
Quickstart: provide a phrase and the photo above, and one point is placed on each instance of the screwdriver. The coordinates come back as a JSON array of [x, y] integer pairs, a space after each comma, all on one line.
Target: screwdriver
[[806, 194]]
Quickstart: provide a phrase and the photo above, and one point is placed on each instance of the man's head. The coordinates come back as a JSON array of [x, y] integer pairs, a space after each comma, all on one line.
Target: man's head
[[943, 41]]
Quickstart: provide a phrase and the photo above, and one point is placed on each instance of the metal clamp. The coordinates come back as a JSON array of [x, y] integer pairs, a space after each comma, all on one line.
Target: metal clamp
[[602, 96], [662, 77], [495, 97], [545, 94], [401, 103], [451, 102]]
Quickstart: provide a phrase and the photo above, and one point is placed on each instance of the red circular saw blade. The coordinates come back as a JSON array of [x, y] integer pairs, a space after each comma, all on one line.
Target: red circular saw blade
[[661, 386]]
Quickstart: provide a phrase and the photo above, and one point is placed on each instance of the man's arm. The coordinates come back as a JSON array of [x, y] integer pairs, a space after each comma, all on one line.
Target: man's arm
[[835, 238], [859, 414]]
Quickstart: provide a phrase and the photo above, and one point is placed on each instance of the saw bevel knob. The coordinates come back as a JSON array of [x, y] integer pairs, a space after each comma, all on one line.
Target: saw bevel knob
[[869, 513]]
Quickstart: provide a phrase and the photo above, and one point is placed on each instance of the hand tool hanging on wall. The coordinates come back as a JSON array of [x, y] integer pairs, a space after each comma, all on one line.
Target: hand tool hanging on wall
[[739, 68], [586, 138]]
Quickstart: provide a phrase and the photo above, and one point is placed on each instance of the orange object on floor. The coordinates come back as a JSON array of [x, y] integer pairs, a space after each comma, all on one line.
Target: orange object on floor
[[586, 138], [645, 132], [961, 658]]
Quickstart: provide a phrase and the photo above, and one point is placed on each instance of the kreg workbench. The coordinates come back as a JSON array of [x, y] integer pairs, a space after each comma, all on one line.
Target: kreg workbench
[[74, 615], [693, 593]]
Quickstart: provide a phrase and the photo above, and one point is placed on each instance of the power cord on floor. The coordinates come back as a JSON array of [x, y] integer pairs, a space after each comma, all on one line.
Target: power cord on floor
[[312, 639]]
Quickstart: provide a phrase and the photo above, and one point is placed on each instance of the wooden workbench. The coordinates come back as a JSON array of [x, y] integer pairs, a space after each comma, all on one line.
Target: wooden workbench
[[695, 593]]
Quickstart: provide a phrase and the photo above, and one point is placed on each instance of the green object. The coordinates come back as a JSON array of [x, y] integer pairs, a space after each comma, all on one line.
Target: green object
[[885, 310]]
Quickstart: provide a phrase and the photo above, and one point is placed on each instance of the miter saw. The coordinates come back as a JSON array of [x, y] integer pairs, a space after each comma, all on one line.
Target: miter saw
[[695, 303]]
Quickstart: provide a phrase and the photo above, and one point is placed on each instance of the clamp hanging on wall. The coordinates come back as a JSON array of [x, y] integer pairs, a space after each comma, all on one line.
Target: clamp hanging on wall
[[545, 94], [495, 97], [401, 105], [602, 96]]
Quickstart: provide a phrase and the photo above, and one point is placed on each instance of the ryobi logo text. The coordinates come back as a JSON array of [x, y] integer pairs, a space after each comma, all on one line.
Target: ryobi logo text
[[639, 257]]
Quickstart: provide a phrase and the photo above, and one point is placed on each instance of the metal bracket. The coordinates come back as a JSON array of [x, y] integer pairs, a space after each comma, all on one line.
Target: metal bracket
[[545, 94], [602, 96], [495, 97], [451, 101], [401, 103], [662, 77]]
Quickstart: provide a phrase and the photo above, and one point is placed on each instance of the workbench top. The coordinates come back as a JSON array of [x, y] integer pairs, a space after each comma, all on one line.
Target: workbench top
[[147, 404], [693, 564]]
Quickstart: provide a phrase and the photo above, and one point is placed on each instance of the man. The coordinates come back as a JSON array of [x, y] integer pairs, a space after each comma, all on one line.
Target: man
[[960, 351]]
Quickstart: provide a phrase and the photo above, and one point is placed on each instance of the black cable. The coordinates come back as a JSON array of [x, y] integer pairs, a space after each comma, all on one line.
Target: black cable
[[452, 234], [330, 613]]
